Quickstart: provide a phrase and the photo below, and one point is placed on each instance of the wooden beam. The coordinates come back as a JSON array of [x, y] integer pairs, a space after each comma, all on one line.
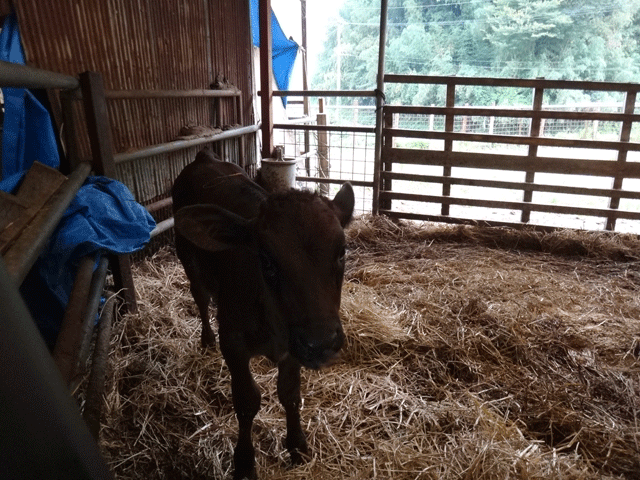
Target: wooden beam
[[266, 92], [99, 128], [625, 135], [569, 166]]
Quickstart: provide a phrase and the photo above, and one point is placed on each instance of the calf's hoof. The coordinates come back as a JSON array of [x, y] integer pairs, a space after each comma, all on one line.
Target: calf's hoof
[[208, 339], [240, 474], [299, 453]]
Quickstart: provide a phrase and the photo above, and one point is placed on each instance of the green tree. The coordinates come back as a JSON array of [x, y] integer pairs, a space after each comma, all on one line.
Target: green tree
[[555, 39]]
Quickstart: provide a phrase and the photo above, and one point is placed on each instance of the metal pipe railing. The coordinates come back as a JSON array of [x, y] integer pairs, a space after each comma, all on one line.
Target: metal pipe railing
[[137, 94], [324, 128], [43, 421], [65, 352], [96, 383], [183, 144], [323, 93], [90, 314], [162, 227], [24, 252], [336, 181], [22, 76]]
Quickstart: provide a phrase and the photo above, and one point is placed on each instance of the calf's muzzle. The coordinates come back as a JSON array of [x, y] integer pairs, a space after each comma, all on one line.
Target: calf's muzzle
[[317, 346]]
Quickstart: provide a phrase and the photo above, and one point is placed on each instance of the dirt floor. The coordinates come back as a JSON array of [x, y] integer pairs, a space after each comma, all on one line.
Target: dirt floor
[[471, 354]]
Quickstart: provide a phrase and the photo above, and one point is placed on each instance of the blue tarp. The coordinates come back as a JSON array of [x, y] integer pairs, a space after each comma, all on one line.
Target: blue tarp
[[27, 133], [283, 50], [102, 218]]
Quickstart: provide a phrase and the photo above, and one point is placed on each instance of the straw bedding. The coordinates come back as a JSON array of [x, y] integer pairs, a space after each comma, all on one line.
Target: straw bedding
[[471, 354]]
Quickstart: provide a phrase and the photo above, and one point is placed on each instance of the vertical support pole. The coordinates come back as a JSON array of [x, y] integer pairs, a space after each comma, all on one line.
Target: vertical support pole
[[625, 135], [242, 161], [448, 145], [305, 84], [266, 93], [377, 165], [95, 107], [323, 149], [534, 132]]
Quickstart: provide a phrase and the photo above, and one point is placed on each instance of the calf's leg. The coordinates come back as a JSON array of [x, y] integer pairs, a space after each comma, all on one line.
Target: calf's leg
[[289, 395], [246, 402], [202, 299], [201, 294]]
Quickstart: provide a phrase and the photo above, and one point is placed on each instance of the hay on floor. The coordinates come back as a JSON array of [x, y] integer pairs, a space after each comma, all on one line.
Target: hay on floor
[[471, 354]]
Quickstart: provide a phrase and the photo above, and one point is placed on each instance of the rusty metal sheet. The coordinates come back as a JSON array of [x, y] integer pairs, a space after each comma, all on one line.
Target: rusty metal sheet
[[148, 45]]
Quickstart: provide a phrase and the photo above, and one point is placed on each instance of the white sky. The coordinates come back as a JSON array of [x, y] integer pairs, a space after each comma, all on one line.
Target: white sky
[[319, 15]]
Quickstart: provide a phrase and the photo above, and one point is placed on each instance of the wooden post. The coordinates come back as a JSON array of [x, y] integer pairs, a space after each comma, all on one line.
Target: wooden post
[[387, 164], [538, 95], [95, 107], [431, 119], [323, 149], [465, 120], [395, 123], [448, 145], [355, 112], [492, 121], [266, 93], [625, 135]]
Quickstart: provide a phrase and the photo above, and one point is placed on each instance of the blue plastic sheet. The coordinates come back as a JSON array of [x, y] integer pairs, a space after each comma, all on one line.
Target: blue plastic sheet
[[27, 132], [102, 218], [283, 50]]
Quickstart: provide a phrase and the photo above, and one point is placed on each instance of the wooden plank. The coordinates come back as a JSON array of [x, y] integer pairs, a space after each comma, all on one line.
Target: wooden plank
[[514, 82], [625, 135], [472, 202], [11, 209], [457, 220], [449, 123], [603, 168], [534, 132], [38, 185], [22, 254], [516, 113], [536, 187], [513, 140], [512, 113]]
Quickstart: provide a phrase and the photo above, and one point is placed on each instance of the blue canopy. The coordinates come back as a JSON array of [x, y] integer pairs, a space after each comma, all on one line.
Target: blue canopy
[[283, 50]]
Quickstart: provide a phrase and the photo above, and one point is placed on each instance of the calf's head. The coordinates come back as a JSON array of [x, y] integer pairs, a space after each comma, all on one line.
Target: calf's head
[[298, 244]]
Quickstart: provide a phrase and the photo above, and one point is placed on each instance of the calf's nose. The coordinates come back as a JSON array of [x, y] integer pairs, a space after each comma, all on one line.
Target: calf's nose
[[316, 347]]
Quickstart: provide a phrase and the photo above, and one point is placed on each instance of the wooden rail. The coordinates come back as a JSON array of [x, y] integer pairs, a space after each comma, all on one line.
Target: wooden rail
[[457, 149]]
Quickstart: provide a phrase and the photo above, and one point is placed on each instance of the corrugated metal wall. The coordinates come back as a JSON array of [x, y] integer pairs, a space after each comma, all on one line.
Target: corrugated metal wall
[[155, 45]]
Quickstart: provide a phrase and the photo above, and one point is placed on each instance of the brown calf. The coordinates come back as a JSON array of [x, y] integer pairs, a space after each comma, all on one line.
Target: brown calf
[[274, 263]]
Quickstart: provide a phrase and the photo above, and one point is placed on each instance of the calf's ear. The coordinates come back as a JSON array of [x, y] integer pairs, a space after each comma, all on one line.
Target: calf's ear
[[212, 228], [344, 201]]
